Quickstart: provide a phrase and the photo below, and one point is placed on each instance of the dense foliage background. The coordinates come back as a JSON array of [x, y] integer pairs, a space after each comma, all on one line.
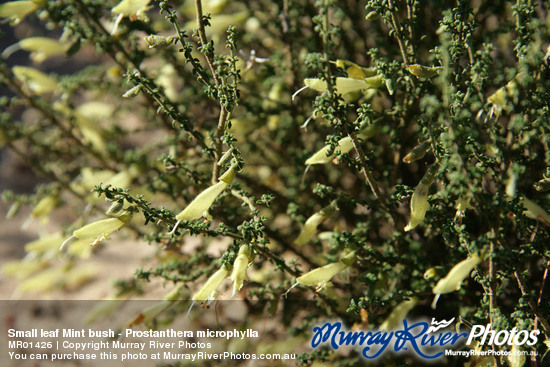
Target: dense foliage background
[[130, 110]]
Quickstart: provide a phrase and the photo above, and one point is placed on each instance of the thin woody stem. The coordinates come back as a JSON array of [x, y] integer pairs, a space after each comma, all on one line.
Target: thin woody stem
[[369, 178], [224, 112]]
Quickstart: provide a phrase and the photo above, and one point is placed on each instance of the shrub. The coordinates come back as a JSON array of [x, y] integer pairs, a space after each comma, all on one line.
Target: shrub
[[420, 141]]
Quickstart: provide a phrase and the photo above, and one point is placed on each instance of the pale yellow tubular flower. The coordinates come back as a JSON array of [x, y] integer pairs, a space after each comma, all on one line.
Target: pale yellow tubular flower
[[35, 80], [99, 230], [133, 9], [511, 184], [532, 210], [418, 152], [16, 11], [106, 306], [238, 274], [419, 199], [96, 110], [168, 79], [80, 249], [316, 84], [498, 101], [345, 145], [44, 207], [42, 48], [202, 202], [158, 41], [92, 133], [149, 314], [88, 179], [355, 71], [343, 86], [123, 178], [350, 85], [426, 72], [374, 82], [395, 319], [220, 22], [462, 204], [320, 276], [44, 281], [322, 157], [79, 275], [21, 269], [310, 228], [209, 289], [503, 98], [89, 129], [453, 280], [535, 211], [205, 199], [311, 224], [44, 244], [208, 6], [59, 277]]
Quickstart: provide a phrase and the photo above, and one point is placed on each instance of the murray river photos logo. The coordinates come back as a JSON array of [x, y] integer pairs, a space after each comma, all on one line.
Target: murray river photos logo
[[428, 341]]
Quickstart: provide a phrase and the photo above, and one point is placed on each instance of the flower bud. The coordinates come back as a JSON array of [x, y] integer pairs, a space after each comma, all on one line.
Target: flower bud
[[115, 207], [430, 273]]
